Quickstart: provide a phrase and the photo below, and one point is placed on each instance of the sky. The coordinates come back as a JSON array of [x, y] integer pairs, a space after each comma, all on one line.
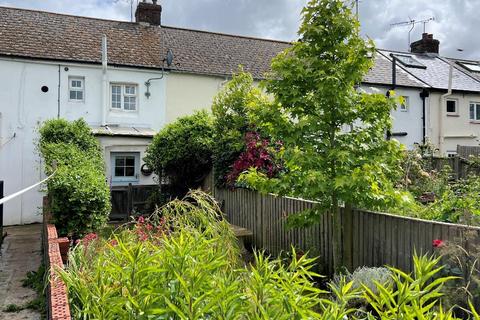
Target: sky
[[456, 22]]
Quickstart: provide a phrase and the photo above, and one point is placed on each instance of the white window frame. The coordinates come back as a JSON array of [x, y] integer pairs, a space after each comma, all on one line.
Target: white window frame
[[76, 89], [456, 107], [123, 95], [404, 107], [475, 105], [125, 179]]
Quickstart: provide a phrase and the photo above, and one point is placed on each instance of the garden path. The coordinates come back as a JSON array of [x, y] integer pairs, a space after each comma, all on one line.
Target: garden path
[[20, 253]]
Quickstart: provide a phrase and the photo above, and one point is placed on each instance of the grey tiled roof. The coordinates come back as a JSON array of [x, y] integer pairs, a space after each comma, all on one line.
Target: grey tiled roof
[[436, 73], [381, 74], [457, 64]]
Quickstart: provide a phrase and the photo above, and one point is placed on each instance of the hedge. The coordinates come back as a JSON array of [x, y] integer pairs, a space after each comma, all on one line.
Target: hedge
[[79, 193]]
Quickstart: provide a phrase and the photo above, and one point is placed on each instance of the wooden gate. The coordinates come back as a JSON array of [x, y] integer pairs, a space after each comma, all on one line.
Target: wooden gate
[[127, 200]]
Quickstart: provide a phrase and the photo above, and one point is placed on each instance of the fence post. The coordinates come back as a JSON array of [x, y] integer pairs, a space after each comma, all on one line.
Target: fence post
[[347, 237], [457, 167], [129, 201]]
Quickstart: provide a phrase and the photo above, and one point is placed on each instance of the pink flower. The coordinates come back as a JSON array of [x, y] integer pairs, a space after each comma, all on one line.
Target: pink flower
[[141, 220], [149, 227], [437, 243], [114, 242]]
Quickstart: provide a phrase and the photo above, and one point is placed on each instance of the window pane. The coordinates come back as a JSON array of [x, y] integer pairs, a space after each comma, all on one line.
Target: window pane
[[73, 95], [119, 171], [116, 96], [130, 161], [130, 89], [451, 106], [129, 103], [478, 112], [79, 95], [129, 171], [119, 161], [472, 111], [76, 84]]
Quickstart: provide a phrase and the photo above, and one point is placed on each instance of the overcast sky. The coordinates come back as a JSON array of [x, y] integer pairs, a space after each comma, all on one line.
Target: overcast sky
[[456, 22]]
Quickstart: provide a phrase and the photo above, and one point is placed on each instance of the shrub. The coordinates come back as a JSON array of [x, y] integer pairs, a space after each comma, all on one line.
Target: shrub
[[232, 108], [182, 152], [79, 194]]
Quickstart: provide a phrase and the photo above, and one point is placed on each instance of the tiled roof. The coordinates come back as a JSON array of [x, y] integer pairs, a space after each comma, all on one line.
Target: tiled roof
[[37, 34], [381, 73], [44, 35], [457, 64], [436, 73]]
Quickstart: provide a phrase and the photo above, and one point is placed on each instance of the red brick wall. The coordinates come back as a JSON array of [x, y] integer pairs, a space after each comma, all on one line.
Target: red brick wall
[[55, 249]]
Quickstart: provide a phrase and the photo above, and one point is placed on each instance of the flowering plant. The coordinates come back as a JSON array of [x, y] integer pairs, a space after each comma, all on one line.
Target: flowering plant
[[259, 154]]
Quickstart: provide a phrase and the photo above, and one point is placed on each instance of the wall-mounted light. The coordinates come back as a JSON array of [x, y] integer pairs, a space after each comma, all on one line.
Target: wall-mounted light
[[169, 60]]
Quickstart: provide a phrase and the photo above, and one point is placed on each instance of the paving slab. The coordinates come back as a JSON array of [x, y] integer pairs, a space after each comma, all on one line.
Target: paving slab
[[20, 253]]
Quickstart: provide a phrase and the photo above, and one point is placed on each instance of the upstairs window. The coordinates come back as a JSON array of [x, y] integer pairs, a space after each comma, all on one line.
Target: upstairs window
[[404, 106], [475, 111], [475, 67], [409, 61], [76, 89], [452, 108], [124, 97]]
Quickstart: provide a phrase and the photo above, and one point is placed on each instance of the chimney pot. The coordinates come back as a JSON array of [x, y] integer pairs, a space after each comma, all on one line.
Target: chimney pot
[[150, 13]]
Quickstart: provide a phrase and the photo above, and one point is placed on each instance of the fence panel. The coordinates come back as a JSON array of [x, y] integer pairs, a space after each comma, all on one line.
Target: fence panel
[[368, 238]]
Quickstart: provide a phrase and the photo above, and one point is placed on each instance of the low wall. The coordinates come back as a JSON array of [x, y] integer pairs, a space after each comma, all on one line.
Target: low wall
[[55, 252]]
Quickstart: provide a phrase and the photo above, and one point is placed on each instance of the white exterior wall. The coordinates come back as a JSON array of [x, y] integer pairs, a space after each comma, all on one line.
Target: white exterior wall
[[23, 107], [409, 121], [455, 129]]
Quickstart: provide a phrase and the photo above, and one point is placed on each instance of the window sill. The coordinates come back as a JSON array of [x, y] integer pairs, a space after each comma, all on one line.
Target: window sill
[[475, 121], [453, 115]]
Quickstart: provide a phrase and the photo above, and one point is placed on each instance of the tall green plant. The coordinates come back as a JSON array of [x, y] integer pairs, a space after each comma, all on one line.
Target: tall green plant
[[79, 193], [182, 152], [232, 108], [335, 148]]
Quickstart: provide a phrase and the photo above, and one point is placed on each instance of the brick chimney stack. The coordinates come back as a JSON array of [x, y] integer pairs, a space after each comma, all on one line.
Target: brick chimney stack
[[425, 45], [149, 13]]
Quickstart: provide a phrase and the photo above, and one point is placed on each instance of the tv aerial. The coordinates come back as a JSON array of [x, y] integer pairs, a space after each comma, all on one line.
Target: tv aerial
[[412, 23]]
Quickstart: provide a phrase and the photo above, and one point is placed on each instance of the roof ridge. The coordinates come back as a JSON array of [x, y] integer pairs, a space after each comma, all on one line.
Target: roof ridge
[[134, 23], [228, 34]]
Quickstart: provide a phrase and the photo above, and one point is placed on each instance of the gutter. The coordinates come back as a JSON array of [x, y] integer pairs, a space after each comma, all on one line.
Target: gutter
[[443, 97]]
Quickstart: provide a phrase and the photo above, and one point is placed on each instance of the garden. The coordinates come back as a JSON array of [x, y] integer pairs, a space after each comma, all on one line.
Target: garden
[[304, 132]]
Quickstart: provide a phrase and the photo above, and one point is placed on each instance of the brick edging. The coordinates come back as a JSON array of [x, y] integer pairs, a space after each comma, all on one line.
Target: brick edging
[[55, 251]]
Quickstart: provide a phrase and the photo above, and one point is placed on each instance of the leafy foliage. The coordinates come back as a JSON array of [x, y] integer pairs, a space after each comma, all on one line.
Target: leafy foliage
[[182, 151], [259, 154], [334, 135], [78, 192], [188, 267], [232, 109]]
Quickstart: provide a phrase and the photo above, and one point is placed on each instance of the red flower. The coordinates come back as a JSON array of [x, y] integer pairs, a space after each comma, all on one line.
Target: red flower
[[141, 220], [114, 242], [437, 243]]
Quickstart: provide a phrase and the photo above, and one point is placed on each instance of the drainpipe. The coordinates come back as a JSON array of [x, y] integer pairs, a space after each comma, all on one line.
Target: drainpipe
[[58, 92], [424, 95], [394, 85], [104, 80], [443, 97]]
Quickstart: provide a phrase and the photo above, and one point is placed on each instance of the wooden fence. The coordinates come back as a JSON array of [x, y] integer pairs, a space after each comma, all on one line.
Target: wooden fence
[[467, 151], [368, 238]]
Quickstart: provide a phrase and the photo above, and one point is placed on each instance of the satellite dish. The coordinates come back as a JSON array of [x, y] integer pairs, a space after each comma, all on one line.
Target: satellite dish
[[169, 58]]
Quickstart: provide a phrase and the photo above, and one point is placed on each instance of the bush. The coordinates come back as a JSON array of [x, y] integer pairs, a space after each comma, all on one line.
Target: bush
[[78, 192], [232, 109], [182, 152]]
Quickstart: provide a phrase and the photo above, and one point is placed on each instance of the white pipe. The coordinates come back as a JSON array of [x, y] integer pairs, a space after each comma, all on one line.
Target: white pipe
[[104, 80], [16, 194], [443, 105]]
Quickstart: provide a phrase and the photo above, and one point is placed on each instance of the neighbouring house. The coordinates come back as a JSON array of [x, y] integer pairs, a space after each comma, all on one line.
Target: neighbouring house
[[129, 79]]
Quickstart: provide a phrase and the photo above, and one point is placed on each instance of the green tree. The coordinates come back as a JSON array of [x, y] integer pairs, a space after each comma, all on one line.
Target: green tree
[[182, 151], [232, 108], [335, 149]]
